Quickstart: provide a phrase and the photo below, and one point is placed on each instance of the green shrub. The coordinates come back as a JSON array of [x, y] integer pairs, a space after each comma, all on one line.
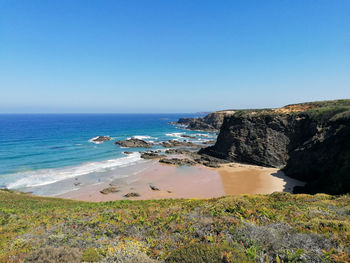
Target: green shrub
[[54, 255], [140, 258], [91, 255]]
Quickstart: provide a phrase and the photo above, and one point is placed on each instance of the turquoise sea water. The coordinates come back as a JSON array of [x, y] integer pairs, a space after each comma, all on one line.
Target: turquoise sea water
[[40, 149]]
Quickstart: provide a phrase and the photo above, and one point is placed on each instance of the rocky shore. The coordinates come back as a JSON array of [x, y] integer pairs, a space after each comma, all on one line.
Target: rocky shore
[[309, 141]]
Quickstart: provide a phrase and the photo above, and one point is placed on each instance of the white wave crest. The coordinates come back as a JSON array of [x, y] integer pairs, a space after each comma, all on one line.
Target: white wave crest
[[202, 135], [141, 137], [175, 134], [95, 142], [49, 176]]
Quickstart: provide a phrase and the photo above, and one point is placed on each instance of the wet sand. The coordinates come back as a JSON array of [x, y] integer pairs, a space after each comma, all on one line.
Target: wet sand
[[189, 182]]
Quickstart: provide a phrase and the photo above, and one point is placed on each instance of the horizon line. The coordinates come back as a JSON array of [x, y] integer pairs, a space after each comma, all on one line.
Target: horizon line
[[53, 113]]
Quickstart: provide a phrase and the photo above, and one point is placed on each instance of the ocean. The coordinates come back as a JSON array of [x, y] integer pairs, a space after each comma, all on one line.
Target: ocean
[[42, 149]]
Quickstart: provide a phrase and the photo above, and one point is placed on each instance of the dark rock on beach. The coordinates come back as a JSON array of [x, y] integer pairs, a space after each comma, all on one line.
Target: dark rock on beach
[[151, 155], [177, 151], [177, 161], [134, 143], [132, 195], [153, 187], [127, 152], [209, 161], [205, 160], [108, 190]]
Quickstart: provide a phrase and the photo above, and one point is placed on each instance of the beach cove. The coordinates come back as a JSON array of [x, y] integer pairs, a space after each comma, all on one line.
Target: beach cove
[[159, 181]]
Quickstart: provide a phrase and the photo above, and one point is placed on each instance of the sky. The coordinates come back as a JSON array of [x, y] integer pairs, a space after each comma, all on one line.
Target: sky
[[152, 56]]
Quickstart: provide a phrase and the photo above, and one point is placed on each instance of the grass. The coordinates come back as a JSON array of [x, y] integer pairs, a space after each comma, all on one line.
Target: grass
[[319, 110], [248, 228]]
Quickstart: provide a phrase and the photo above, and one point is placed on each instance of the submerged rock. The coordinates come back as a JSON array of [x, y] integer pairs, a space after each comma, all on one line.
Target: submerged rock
[[134, 143], [187, 136], [100, 139]]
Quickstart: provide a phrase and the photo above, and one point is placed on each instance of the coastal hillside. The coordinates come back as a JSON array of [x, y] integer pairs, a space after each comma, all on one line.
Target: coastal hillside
[[280, 227], [309, 141]]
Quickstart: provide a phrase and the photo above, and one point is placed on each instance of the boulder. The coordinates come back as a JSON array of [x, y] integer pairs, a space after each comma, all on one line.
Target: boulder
[[134, 143], [209, 161], [132, 195], [153, 187], [151, 155], [177, 151], [100, 139], [109, 190]]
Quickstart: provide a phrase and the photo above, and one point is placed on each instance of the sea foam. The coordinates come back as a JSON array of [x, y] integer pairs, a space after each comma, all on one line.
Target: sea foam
[[175, 134], [95, 142], [49, 176], [141, 137]]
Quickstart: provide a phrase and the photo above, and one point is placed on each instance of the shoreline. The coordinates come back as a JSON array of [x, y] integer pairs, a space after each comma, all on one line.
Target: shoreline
[[187, 182], [148, 179]]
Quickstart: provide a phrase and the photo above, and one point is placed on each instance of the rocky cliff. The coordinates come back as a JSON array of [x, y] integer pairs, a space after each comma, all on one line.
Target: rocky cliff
[[211, 122], [308, 141]]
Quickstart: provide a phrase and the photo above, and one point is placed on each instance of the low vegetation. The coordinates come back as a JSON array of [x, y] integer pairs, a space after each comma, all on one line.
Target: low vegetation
[[248, 228], [319, 110]]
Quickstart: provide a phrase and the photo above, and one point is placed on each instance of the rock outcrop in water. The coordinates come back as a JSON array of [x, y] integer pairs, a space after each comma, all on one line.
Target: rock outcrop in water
[[310, 142], [134, 143], [100, 139], [211, 122]]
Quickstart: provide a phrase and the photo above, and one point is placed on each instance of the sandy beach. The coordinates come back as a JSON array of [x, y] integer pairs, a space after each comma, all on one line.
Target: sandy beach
[[188, 182]]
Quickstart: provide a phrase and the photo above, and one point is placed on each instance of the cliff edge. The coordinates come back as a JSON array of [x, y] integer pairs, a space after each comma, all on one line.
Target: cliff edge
[[308, 141]]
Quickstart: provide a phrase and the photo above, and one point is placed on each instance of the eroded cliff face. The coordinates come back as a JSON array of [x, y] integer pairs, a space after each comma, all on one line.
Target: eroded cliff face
[[315, 150], [261, 140], [324, 159]]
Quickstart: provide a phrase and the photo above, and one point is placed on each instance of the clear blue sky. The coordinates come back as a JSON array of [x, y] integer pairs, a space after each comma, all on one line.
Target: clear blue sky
[[171, 56]]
